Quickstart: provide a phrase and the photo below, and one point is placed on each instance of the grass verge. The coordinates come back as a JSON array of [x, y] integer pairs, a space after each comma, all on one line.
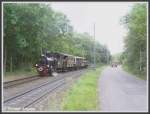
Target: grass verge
[[138, 75], [83, 95]]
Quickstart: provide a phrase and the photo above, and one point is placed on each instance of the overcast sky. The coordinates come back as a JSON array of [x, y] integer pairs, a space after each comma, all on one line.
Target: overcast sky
[[105, 15]]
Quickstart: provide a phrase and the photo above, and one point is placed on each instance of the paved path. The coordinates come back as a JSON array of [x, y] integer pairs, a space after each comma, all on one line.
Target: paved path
[[119, 91]]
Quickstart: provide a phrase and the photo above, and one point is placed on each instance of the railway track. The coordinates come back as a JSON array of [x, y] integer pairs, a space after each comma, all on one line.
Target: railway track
[[19, 81], [29, 97]]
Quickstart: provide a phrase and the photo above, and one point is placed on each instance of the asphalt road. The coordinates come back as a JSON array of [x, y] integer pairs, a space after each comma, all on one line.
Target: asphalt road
[[120, 91]]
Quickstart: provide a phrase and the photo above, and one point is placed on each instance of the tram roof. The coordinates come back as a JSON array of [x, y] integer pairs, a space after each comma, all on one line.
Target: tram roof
[[64, 54]]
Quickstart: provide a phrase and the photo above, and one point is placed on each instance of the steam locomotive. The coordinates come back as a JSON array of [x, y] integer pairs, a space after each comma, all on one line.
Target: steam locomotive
[[59, 62]]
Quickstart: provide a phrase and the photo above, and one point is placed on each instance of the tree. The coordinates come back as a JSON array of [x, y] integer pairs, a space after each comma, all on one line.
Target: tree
[[135, 41], [31, 29]]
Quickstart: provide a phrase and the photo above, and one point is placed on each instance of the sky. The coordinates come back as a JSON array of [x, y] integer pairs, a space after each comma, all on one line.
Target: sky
[[105, 15]]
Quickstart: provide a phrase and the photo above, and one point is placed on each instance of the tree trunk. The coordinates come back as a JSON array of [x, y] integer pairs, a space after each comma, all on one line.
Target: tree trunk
[[140, 60], [41, 50], [5, 59], [11, 64]]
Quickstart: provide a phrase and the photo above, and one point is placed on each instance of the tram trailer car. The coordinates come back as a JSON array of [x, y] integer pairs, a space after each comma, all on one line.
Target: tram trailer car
[[66, 62]]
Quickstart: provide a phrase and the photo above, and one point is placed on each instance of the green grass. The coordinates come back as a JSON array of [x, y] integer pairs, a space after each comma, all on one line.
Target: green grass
[[135, 73], [83, 95]]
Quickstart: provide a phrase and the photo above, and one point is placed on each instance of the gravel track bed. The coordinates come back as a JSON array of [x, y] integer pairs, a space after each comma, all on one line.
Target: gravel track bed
[[27, 99], [14, 91], [10, 84], [52, 102]]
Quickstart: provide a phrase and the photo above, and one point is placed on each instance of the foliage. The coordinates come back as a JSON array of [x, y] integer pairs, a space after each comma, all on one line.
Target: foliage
[[117, 57], [136, 40], [32, 28]]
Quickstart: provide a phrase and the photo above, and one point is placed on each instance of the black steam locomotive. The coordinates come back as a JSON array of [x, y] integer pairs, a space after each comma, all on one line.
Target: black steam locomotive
[[59, 62]]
